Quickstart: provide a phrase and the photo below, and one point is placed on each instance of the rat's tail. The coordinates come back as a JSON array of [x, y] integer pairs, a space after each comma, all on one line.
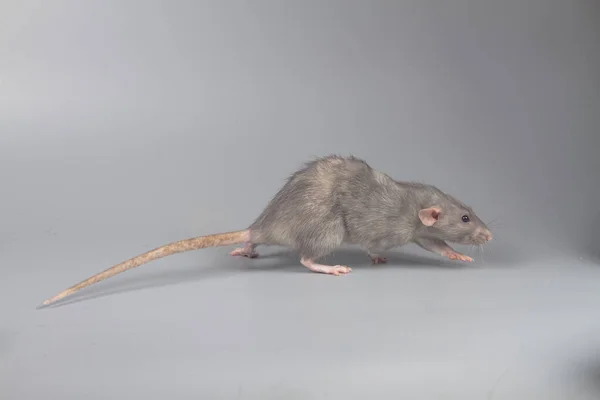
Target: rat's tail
[[201, 242]]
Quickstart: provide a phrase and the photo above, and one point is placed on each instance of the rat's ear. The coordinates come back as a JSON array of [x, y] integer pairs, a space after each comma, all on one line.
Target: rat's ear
[[429, 216]]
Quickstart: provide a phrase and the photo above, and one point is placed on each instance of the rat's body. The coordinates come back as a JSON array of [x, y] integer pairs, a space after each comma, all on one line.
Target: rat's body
[[335, 200]]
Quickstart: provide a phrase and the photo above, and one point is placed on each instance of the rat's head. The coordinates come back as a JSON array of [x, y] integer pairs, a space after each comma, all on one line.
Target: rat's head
[[452, 221]]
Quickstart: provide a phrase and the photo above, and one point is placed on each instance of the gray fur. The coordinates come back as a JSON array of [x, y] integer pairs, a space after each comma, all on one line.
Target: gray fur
[[334, 200]]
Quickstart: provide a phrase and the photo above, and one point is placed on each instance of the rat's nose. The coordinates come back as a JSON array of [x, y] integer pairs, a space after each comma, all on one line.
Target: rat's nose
[[487, 235]]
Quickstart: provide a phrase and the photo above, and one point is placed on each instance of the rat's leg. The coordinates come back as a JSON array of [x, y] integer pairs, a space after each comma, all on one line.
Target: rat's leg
[[325, 269], [440, 247], [374, 255], [374, 250], [376, 259], [319, 242], [246, 251]]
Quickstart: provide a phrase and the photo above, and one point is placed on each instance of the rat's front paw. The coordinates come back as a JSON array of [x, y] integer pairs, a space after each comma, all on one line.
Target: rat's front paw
[[453, 255]]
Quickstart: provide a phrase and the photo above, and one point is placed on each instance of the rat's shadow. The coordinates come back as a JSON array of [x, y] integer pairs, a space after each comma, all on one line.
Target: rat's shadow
[[278, 261]]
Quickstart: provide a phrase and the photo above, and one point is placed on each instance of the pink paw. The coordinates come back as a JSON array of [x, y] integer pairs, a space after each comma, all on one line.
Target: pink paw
[[243, 252], [337, 270], [457, 256]]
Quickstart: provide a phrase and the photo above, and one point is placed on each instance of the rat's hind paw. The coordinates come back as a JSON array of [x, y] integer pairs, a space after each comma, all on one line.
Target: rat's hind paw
[[326, 269], [334, 269], [244, 252]]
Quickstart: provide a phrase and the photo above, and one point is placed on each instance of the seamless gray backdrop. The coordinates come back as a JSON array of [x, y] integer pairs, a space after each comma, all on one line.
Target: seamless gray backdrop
[[125, 125]]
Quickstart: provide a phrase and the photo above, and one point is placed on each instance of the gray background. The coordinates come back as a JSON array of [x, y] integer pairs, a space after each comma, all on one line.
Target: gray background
[[127, 125]]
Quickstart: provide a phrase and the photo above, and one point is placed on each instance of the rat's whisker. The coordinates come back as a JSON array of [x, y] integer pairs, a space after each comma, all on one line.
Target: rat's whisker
[[492, 221]]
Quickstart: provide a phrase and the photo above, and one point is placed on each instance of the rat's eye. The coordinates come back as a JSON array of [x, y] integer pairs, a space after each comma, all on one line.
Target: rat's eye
[[465, 218]]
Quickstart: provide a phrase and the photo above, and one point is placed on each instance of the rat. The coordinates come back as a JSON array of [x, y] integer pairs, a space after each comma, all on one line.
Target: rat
[[334, 200]]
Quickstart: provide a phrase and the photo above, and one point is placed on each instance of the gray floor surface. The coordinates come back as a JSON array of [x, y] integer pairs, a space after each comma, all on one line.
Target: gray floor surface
[[203, 325]]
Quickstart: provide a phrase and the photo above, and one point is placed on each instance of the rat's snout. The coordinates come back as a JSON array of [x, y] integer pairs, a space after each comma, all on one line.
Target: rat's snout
[[483, 235], [487, 235]]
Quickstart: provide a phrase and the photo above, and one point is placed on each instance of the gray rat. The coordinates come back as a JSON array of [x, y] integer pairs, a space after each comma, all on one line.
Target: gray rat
[[334, 200]]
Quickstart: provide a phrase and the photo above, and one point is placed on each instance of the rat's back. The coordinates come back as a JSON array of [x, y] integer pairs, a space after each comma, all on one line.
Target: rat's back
[[308, 203]]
